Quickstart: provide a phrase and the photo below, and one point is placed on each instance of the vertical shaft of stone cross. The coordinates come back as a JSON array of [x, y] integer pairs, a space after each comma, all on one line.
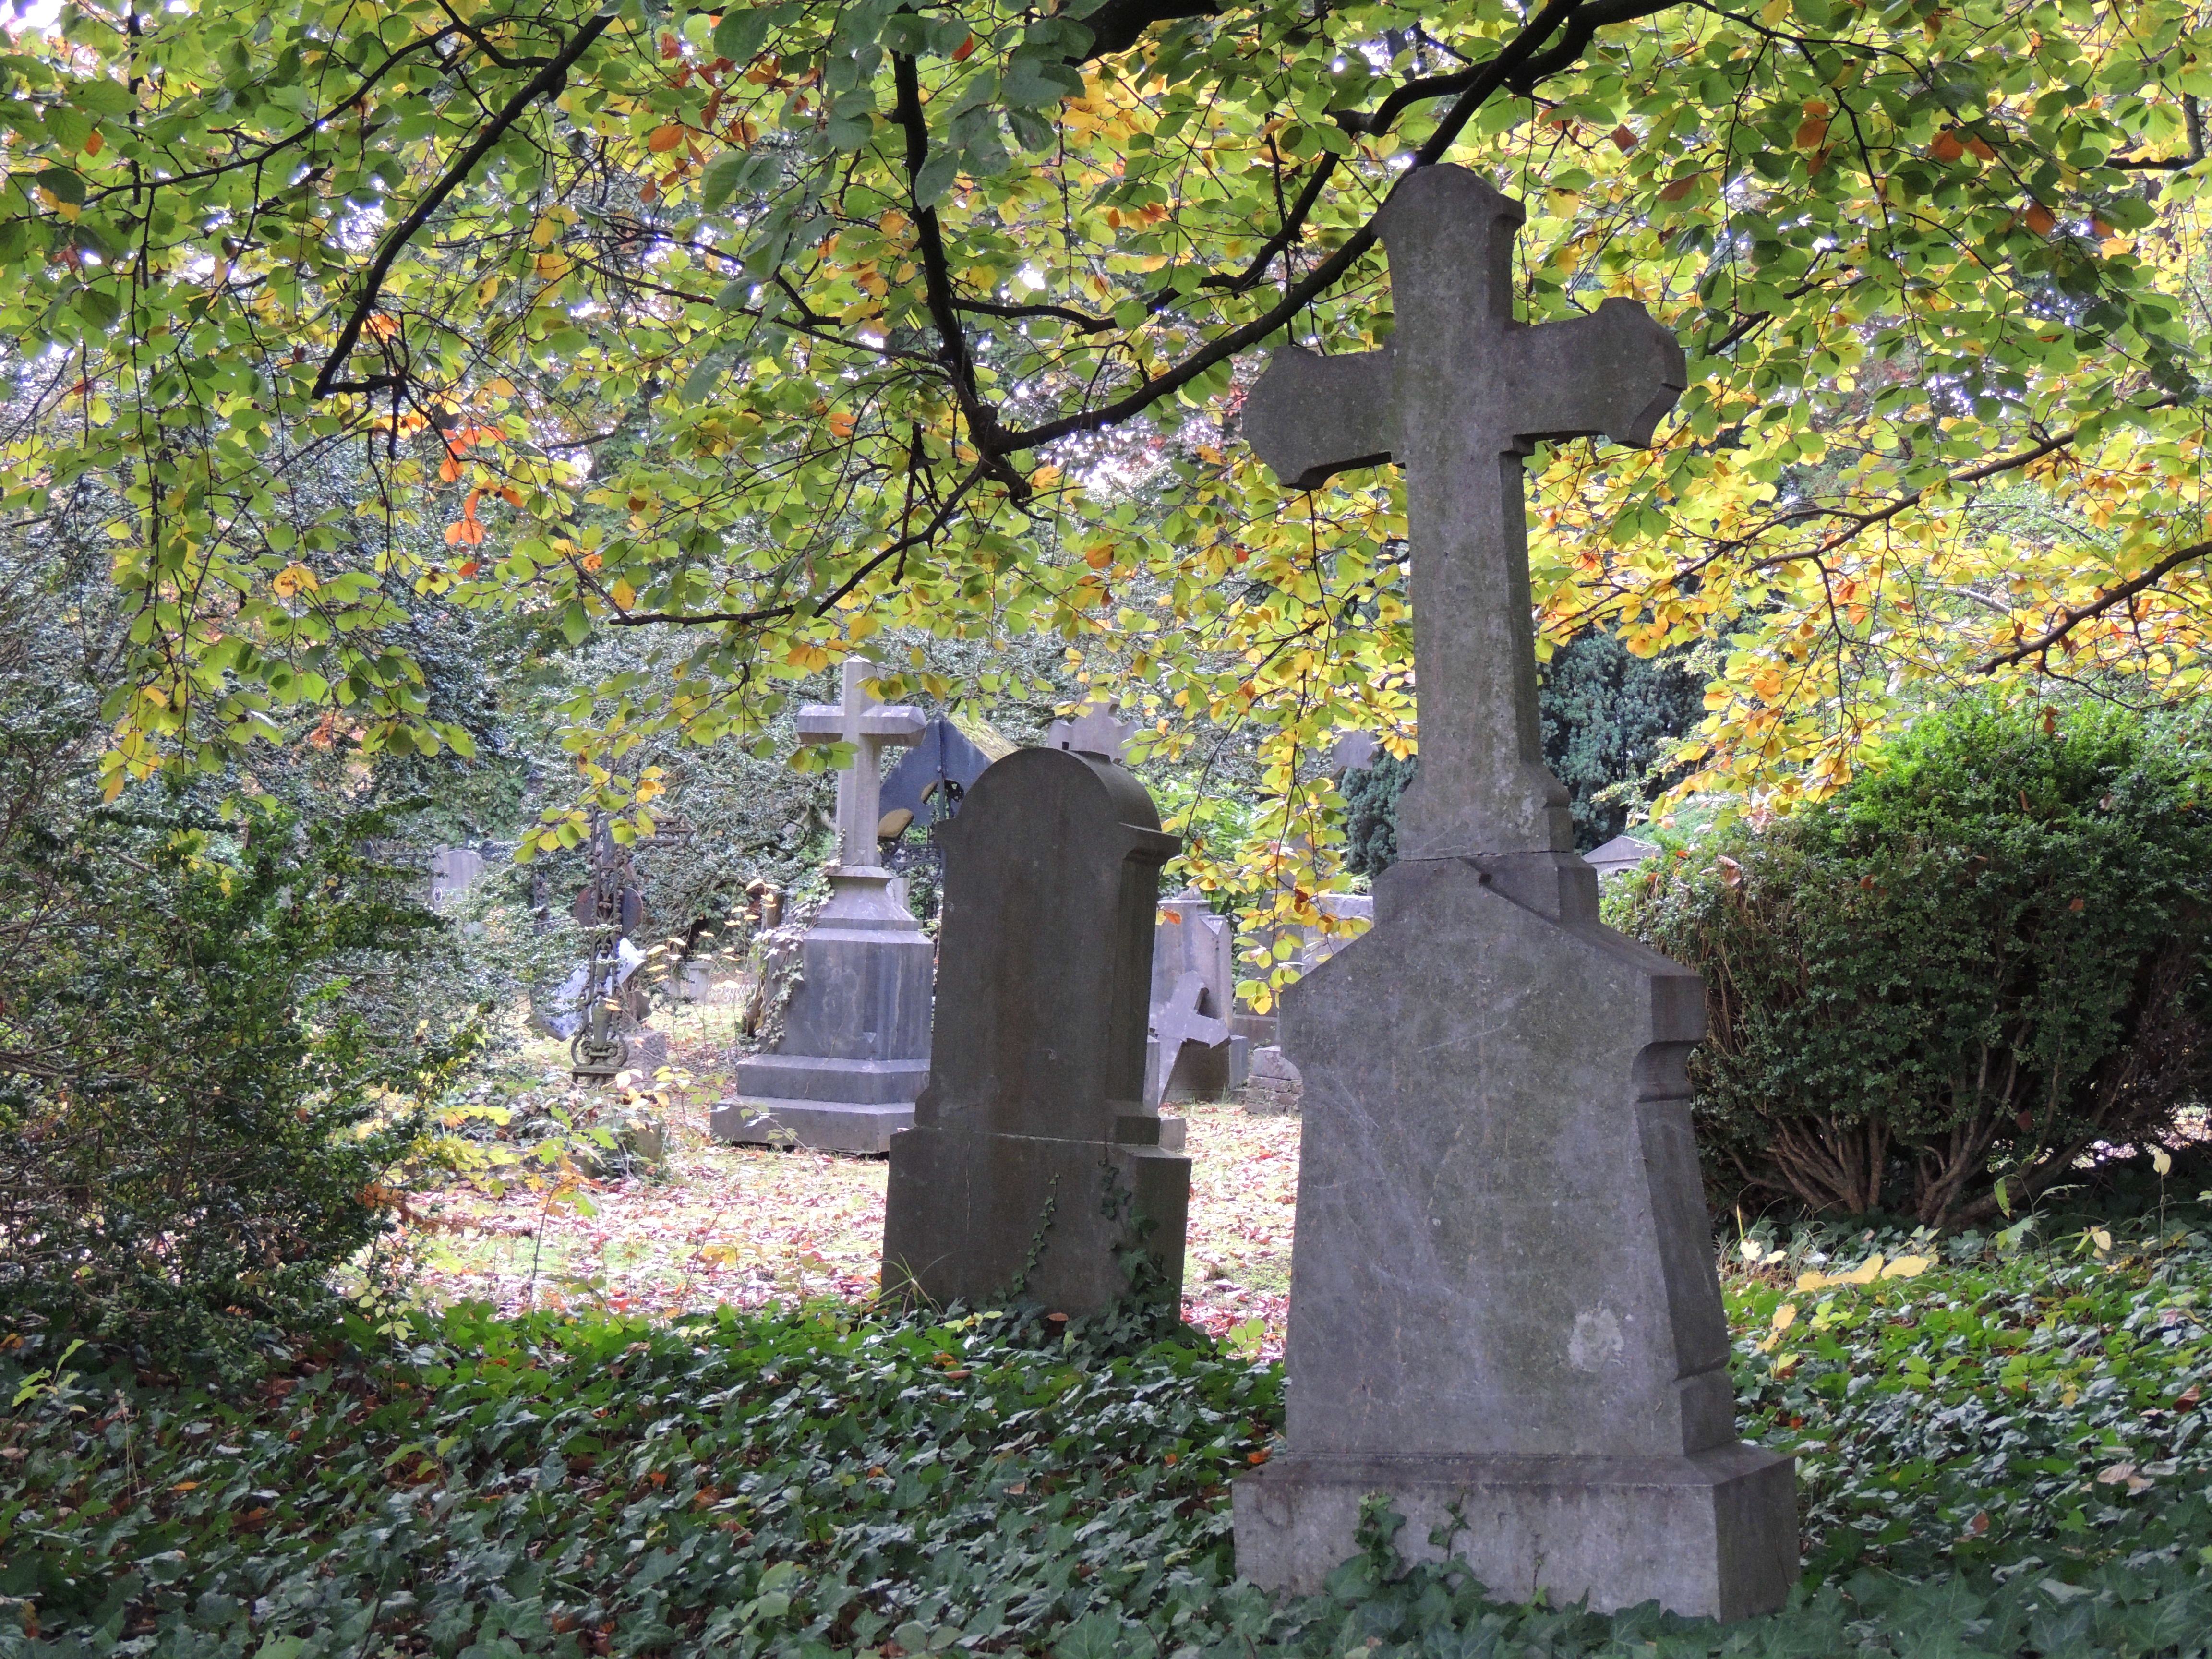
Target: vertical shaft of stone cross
[[1458, 399], [1483, 788]]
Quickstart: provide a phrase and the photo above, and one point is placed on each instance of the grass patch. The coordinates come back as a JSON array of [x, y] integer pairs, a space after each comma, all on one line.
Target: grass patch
[[2003, 1454]]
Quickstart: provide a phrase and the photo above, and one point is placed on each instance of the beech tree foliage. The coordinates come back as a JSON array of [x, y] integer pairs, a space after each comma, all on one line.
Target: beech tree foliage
[[782, 329]]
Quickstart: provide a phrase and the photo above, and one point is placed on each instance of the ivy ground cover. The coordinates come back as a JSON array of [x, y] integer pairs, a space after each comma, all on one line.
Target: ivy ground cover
[[2003, 1452]]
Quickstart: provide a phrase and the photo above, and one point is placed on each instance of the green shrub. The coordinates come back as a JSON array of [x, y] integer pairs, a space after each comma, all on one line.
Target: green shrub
[[206, 1046], [1942, 988]]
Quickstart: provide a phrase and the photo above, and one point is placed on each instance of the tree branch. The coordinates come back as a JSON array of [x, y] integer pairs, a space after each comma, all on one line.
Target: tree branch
[[1517, 62], [2070, 619], [549, 79], [1117, 25], [875, 563]]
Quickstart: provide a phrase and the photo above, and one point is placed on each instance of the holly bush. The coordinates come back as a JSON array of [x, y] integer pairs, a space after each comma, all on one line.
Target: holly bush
[[1942, 988], [208, 1053]]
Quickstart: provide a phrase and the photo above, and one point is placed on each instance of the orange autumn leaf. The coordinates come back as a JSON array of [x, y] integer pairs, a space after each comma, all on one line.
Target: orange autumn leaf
[[1099, 557], [1813, 133], [590, 562], [466, 533], [1947, 147], [1982, 148], [841, 424], [510, 495], [469, 567], [960, 52], [1623, 139], [382, 326], [664, 138], [449, 470], [95, 144], [1679, 189], [2040, 220]]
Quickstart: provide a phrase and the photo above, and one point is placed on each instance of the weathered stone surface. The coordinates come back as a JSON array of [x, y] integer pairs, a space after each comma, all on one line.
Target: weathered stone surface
[[1190, 939], [1273, 1087], [855, 1047], [1687, 1533], [1501, 1288], [1033, 1152], [1619, 855], [854, 1050]]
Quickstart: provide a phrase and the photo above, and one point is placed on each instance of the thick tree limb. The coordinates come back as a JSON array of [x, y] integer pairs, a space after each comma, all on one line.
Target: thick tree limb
[[2068, 620], [1516, 59], [549, 79], [1115, 26]]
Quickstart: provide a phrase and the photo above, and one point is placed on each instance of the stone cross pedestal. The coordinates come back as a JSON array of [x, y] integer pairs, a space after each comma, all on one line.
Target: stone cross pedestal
[[1034, 1164], [854, 1050], [1503, 1309]]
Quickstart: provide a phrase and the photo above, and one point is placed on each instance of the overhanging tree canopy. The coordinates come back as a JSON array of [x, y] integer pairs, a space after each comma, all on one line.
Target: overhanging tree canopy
[[776, 328]]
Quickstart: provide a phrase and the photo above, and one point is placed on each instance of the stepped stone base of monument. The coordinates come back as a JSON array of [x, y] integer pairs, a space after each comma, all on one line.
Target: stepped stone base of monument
[[830, 1105], [1711, 1535], [826, 1126], [854, 1050]]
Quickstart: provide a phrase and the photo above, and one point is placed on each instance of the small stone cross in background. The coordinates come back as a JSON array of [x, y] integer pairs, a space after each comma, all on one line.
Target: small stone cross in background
[[1093, 731], [871, 728]]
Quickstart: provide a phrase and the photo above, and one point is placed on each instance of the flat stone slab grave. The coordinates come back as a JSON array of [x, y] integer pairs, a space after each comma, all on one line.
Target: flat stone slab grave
[[1035, 1165], [1504, 1314]]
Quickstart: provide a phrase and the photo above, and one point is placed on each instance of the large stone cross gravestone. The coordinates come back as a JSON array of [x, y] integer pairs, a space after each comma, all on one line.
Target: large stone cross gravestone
[[1034, 1167], [854, 1050], [1504, 1312]]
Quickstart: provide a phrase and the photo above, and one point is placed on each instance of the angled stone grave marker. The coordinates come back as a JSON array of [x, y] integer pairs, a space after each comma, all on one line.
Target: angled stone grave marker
[[1033, 1156], [1185, 1038], [1503, 1308], [1207, 1061], [854, 1050]]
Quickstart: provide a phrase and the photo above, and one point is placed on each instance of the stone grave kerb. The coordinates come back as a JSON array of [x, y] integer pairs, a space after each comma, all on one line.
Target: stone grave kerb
[[1504, 1312]]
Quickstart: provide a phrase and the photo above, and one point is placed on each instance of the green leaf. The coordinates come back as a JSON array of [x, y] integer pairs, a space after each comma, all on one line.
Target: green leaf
[[740, 34], [935, 178]]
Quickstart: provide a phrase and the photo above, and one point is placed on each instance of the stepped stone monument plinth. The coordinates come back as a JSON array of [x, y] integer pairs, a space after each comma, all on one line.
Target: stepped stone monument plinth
[[1033, 1165], [854, 1050], [1504, 1314]]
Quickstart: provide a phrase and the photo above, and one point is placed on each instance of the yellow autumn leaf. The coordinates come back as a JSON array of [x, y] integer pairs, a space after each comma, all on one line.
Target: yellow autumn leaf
[[294, 578], [1785, 1315], [1908, 1266], [625, 595], [1865, 1274]]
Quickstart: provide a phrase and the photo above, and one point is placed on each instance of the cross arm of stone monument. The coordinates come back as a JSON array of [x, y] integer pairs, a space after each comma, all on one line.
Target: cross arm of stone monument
[[1616, 371], [1311, 416], [900, 721]]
